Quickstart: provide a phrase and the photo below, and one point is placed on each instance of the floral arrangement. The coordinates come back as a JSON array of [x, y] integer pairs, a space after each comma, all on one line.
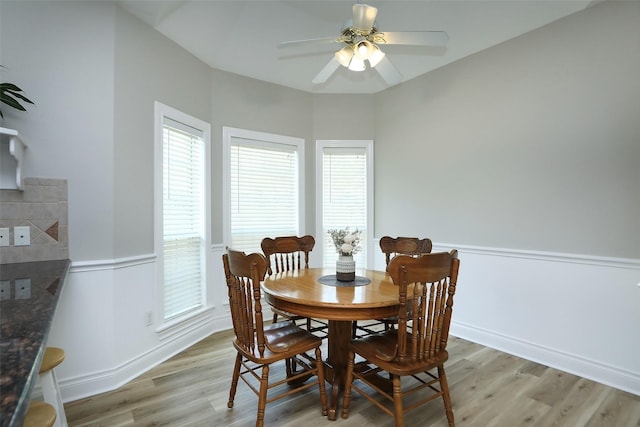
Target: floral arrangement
[[346, 242]]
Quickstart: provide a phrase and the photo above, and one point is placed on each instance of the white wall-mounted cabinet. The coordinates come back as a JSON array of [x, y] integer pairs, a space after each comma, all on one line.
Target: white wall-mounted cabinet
[[11, 159]]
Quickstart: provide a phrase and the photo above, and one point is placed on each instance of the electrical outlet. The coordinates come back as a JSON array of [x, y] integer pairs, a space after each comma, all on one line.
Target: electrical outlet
[[4, 236], [23, 288], [5, 290], [22, 236]]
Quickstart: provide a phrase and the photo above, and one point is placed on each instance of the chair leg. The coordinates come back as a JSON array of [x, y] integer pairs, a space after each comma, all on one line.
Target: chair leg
[[275, 317], [321, 382], [346, 400], [234, 380], [398, 413], [444, 386], [262, 397]]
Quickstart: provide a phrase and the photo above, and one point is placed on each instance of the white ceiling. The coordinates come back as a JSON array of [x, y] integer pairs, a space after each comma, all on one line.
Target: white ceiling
[[242, 37]]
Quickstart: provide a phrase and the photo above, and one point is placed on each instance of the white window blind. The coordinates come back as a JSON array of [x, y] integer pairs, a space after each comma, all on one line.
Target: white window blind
[[344, 198], [264, 192], [183, 218]]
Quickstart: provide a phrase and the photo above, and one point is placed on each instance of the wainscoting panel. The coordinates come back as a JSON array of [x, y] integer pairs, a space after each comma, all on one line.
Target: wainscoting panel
[[103, 327], [575, 313]]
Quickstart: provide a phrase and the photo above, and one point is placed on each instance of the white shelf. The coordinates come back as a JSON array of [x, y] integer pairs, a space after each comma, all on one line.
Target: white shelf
[[14, 146]]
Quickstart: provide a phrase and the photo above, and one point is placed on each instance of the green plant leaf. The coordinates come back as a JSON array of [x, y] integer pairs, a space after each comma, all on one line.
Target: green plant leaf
[[11, 102], [9, 86], [11, 96], [18, 95]]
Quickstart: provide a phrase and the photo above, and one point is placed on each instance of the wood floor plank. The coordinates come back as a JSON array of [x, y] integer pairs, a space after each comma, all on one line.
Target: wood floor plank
[[488, 388], [577, 407], [618, 409], [553, 386]]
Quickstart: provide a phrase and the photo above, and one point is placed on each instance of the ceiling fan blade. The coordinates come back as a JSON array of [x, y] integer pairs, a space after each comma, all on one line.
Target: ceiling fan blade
[[308, 42], [427, 38], [364, 16], [326, 72], [388, 71]]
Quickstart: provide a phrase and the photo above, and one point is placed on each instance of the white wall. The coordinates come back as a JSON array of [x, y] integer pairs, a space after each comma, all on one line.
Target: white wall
[[575, 313]]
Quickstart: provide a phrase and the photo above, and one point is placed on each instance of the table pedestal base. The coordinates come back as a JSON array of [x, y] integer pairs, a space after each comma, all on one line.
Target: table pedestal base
[[336, 363]]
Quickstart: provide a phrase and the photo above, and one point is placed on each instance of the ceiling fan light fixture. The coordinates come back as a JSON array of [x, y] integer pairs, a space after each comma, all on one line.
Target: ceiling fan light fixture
[[344, 55], [357, 64], [364, 16], [361, 38], [376, 56], [363, 49]]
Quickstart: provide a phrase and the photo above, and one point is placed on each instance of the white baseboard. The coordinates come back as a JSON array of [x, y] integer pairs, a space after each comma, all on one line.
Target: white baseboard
[[78, 387], [574, 364]]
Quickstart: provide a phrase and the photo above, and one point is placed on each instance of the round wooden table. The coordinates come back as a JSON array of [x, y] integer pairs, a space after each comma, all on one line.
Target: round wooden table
[[300, 292]]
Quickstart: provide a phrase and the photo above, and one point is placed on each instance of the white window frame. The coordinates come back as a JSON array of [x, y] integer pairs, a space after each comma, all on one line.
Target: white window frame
[[367, 145], [256, 137], [162, 111]]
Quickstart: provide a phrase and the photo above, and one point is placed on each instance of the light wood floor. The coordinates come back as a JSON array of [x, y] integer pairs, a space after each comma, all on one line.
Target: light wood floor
[[488, 388]]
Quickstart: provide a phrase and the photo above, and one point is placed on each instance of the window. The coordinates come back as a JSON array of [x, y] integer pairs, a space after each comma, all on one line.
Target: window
[[264, 187], [344, 188], [182, 181]]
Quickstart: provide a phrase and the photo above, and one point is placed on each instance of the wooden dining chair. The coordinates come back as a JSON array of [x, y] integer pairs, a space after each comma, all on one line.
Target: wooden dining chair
[[290, 253], [259, 346], [391, 247], [414, 361], [413, 246]]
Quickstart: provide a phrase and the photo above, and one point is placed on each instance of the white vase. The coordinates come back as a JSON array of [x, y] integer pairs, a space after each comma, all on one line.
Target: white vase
[[345, 268]]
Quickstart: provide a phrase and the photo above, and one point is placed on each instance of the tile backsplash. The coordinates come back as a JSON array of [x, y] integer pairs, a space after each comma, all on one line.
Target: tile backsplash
[[43, 207]]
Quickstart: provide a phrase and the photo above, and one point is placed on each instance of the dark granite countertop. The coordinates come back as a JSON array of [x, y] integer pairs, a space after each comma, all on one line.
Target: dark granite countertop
[[29, 295]]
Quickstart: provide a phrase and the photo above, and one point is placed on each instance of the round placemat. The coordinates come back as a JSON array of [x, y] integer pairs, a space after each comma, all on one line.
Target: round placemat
[[332, 281]]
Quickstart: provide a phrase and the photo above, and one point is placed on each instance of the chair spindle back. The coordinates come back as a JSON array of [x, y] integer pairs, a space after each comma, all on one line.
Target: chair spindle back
[[426, 286], [287, 253], [244, 274]]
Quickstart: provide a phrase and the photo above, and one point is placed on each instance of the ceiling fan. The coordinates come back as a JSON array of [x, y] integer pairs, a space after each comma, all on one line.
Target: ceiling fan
[[361, 38]]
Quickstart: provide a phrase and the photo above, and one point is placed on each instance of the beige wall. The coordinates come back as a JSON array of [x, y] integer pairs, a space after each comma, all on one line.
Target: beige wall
[[62, 55], [533, 144], [147, 68], [251, 104]]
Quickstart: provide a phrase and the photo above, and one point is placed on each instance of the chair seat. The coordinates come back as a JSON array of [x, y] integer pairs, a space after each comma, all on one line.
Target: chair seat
[[53, 356], [39, 414], [381, 350], [283, 340]]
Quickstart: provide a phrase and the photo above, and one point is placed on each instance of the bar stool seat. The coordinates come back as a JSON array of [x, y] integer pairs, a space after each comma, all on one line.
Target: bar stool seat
[[53, 356], [39, 414]]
